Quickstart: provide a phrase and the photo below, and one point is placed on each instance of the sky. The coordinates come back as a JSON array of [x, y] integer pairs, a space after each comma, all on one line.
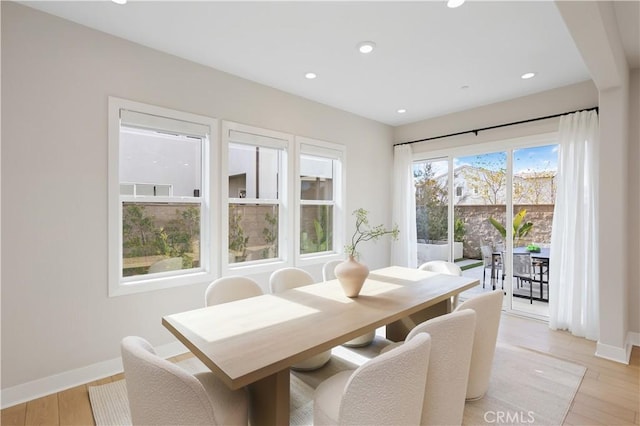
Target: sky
[[525, 160]]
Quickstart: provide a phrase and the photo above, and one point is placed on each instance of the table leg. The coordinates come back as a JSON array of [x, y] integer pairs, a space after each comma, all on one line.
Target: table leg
[[397, 331], [270, 400]]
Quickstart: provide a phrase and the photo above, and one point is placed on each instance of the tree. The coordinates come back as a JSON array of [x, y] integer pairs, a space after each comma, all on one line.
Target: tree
[[431, 205], [487, 177]]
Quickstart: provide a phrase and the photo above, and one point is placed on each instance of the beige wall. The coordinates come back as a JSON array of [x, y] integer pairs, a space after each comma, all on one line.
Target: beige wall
[[56, 77], [563, 99]]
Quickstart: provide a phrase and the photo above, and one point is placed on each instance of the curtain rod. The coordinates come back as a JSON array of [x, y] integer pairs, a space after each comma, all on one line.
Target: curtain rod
[[475, 131]]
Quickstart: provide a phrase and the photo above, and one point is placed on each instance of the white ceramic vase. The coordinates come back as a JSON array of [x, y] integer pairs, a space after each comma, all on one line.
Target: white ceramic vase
[[351, 275]]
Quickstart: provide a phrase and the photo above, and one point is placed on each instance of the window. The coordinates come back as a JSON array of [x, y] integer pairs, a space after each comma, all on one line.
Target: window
[[320, 189], [257, 194], [159, 192]]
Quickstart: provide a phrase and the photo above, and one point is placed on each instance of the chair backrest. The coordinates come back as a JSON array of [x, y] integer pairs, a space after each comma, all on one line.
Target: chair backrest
[[522, 265], [171, 264], [388, 389], [441, 267], [488, 307], [449, 362], [288, 278], [228, 289], [328, 270], [487, 255], [159, 391]]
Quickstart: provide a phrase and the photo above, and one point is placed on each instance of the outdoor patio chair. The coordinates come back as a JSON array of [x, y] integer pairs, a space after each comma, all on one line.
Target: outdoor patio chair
[[523, 271]]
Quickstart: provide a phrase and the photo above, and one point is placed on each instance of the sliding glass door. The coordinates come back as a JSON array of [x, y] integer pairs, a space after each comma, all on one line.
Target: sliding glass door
[[533, 199], [490, 211]]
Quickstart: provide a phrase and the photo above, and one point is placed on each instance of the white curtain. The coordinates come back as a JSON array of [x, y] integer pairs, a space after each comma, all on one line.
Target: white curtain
[[404, 250], [573, 281]]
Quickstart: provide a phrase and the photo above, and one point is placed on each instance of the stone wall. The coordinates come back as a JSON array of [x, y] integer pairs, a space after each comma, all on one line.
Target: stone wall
[[478, 229]]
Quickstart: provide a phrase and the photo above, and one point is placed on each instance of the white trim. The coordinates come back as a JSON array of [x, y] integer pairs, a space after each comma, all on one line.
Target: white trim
[[338, 153], [59, 382], [233, 133], [210, 182], [614, 353]]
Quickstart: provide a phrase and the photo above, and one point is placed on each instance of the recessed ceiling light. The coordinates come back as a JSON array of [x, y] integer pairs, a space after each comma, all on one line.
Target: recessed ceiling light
[[528, 75], [454, 3], [366, 46], [119, 1], [310, 75], [401, 111]]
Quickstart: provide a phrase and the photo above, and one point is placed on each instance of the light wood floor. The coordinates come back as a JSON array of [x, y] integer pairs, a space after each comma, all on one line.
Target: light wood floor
[[609, 393]]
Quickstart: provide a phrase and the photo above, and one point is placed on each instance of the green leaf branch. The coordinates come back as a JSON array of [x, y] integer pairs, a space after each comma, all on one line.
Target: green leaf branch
[[364, 232]]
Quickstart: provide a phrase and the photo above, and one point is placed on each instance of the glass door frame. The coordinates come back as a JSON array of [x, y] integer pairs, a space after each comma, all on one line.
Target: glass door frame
[[504, 145]]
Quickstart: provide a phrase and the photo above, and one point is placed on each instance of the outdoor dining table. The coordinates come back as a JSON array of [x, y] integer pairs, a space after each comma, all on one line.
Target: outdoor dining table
[[539, 259], [253, 342]]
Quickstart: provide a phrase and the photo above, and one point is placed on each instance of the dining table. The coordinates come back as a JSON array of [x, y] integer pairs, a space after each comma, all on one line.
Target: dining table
[[253, 342]]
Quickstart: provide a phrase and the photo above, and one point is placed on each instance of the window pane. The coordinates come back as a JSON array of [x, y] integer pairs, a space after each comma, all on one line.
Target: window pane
[[432, 198], [316, 175], [253, 232], [316, 229], [160, 164], [159, 237], [253, 172]]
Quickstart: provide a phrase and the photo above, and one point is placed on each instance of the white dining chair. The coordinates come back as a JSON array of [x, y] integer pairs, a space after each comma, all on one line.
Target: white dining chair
[[162, 393], [328, 270], [443, 267], [451, 347], [228, 289], [360, 341], [287, 279], [386, 390], [488, 308]]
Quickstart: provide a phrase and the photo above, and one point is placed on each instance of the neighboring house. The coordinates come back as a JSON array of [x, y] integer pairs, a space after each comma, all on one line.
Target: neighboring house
[[530, 187]]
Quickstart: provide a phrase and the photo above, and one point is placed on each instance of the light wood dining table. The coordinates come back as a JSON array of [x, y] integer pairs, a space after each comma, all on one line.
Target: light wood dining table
[[253, 342]]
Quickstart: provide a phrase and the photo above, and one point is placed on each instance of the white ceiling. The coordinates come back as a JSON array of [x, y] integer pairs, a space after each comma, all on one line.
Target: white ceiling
[[425, 52]]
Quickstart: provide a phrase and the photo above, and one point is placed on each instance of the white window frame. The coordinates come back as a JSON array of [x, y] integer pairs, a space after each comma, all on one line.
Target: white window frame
[[231, 132], [338, 153], [209, 268]]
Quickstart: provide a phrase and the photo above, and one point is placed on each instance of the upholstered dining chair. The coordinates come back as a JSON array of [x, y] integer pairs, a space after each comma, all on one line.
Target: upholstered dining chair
[[360, 341], [386, 390], [488, 307], [228, 289], [328, 269], [449, 362], [161, 392], [443, 267], [286, 279]]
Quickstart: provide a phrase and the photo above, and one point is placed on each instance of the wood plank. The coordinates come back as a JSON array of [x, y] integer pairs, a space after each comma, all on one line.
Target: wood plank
[[577, 419], [591, 412], [14, 416], [74, 407], [43, 411], [609, 393], [613, 409]]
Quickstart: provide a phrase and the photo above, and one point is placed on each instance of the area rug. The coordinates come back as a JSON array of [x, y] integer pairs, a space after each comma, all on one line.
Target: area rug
[[526, 387]]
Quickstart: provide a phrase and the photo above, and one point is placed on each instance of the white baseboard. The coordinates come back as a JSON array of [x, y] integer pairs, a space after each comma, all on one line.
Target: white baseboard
[[614, 353], [79, 376]]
